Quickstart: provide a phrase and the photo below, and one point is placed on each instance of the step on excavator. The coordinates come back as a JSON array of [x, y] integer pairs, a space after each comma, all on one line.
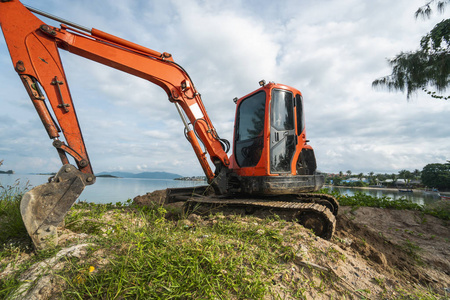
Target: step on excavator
[[272, 167]]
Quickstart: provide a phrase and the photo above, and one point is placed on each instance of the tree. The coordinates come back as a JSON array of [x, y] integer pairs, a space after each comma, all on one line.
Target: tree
[[394, 178], [349, 172], [437, 175], [428, 67], [372, 180], [406, 175], [360, 176], [416, 174], [337, 181]]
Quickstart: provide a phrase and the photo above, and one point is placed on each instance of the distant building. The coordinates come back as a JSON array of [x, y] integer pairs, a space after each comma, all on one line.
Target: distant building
[[403, 182], [355, 179]]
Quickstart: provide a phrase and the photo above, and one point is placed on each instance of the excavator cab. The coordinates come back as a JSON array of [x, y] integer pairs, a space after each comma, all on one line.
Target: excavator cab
[[270, 153]]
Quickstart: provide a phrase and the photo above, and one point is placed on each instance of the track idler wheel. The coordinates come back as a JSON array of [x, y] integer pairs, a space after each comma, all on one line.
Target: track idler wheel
[[44, 207], [321, 225]]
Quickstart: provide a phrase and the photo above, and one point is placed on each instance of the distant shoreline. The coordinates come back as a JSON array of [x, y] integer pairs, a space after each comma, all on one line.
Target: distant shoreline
[[369, 188], [383, 189]]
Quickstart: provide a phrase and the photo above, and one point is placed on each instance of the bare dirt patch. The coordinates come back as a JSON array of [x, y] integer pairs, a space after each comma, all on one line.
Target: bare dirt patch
[[407, 246]]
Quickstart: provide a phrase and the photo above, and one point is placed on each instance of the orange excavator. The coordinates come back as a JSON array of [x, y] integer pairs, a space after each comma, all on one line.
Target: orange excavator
[[272, 167]]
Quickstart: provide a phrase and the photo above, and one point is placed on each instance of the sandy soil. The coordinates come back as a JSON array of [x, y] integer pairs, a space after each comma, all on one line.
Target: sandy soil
[[406, 247], [374, 254]]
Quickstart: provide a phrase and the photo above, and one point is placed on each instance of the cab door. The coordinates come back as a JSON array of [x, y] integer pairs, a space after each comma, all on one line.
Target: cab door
[[283, 139]]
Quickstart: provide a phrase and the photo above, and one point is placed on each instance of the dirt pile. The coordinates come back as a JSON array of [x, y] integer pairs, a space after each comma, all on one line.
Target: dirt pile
[[407, 248]]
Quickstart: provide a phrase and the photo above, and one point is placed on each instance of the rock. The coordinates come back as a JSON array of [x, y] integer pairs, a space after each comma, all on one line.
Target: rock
[[156, 197], [185, 223], [39, 280], [378, 257], [194, 218]]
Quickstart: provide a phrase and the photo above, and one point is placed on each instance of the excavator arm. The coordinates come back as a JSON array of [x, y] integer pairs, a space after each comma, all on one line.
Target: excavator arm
[[33, 46], [159, 69]]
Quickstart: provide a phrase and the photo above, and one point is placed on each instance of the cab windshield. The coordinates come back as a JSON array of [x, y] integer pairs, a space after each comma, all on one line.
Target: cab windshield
[[249, 140]]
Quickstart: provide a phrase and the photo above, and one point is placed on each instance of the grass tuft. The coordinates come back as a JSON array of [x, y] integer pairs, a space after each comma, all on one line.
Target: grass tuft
[[12, 228]]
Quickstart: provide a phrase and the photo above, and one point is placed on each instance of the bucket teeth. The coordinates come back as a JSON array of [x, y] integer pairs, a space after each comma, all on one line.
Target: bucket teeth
[[44, 207]]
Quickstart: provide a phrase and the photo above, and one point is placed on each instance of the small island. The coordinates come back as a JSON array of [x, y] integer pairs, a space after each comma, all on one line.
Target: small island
[[107, 176], [45, 174], [7, 172]]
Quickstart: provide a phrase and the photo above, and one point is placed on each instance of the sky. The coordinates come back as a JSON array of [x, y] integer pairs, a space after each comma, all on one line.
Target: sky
[[330, 50]]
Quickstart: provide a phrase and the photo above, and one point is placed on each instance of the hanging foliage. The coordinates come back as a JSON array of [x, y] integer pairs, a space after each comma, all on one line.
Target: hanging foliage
[[427, 69]]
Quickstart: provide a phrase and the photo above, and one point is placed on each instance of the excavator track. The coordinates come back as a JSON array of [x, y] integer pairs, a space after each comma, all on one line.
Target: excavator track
[[313, 216], [323, 199]]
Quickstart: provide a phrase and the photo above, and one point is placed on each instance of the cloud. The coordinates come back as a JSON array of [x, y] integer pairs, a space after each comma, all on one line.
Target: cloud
[[329, 50]]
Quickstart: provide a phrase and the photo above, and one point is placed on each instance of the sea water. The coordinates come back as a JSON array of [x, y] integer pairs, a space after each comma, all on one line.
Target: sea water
[[105, 189]]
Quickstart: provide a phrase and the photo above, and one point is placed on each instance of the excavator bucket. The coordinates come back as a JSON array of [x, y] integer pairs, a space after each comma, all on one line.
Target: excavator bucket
[[44, 207]]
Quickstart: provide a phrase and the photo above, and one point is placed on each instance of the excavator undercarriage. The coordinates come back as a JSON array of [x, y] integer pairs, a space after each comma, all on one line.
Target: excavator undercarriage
[[312, 210]]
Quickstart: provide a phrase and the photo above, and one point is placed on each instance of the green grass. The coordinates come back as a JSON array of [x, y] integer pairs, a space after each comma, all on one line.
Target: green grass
[[439, 209], [14, 238], [161, 259]]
